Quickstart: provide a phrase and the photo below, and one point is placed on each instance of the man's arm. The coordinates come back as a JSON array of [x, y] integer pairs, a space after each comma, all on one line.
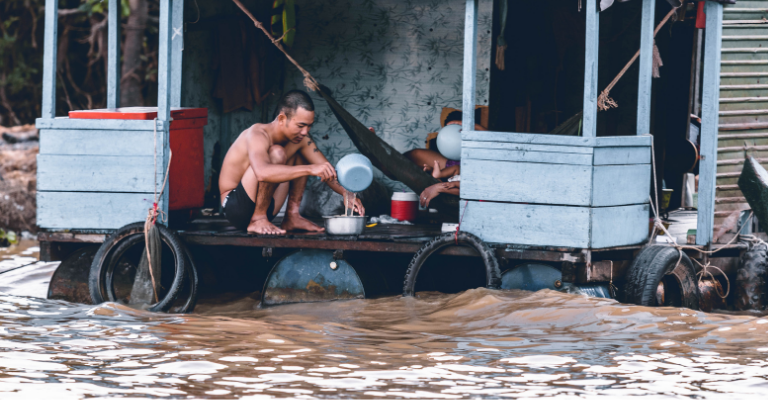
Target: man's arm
[[313, 155], [265, 171]]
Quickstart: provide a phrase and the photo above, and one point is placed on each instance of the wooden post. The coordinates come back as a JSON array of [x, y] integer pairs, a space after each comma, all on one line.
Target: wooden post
[[645, 80], [592, 42], [470, 66], [113, 55], [177, 50], [710, 108], [164, 95], [49, 58]]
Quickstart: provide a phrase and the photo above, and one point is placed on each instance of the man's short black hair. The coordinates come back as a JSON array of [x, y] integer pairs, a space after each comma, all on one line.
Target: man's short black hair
[[458, 116], [293, 100]]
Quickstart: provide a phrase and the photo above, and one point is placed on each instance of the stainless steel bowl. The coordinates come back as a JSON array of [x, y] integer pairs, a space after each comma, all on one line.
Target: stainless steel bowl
[[343, 225]]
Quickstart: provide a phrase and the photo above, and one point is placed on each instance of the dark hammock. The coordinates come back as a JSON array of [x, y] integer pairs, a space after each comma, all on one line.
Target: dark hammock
[[386, 158], [382, 155]]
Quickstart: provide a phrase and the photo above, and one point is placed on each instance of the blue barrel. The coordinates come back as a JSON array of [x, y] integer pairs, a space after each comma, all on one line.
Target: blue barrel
[[355, 172]]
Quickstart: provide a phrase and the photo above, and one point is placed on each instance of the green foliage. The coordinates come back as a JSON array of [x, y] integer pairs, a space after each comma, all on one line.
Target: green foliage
[[8, 238], [81, 78], [20, 59]]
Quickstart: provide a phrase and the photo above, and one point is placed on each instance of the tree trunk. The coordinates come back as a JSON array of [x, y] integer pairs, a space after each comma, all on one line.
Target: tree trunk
[[132, 74]]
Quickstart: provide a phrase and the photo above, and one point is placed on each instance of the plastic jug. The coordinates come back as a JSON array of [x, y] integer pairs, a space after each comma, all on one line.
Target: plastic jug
[[355, 172]]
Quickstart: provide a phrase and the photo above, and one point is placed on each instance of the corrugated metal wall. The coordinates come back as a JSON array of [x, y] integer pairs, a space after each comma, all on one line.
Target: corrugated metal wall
[[743, 100]]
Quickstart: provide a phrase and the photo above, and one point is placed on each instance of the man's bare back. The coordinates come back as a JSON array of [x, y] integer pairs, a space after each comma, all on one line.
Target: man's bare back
[[269, 162]]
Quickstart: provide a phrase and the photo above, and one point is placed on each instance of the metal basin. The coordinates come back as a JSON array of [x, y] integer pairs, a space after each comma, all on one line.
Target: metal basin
[[343, 225]]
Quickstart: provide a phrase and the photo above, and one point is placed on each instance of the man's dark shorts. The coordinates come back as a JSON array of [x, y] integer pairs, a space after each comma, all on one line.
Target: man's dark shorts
[[239, 208]]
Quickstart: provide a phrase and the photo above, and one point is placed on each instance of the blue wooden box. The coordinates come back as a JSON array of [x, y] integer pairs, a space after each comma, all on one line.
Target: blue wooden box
[[562, 191], [97, 174]]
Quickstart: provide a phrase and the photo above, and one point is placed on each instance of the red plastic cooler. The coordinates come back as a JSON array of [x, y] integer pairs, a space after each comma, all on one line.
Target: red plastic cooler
[[186, 186]]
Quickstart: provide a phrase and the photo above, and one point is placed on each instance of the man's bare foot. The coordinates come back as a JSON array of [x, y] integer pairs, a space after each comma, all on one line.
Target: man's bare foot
[[295, 222], [264, 227]]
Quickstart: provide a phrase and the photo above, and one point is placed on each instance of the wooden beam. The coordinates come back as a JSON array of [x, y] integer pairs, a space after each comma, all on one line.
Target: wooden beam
[[592, 42], [645, 80], [164, 95], [113, 55], [710, 107], [470, 65], [177, 51], [164, 61], [49, 58]]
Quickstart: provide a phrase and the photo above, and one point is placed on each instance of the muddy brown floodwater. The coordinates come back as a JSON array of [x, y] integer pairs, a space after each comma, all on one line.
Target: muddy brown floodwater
[[476, 344]]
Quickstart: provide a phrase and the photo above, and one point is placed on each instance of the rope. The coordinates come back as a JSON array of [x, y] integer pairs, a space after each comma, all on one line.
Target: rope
[[456, 234], [309, 81], [153, 212], [604, 101], [658, 227]]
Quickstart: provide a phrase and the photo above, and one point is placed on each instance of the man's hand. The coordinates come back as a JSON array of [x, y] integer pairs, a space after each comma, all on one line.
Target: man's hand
[[430, 193], [324, 171], [359, 206]]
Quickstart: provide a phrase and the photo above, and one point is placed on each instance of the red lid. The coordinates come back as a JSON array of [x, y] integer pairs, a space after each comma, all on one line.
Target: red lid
[[137, 113]]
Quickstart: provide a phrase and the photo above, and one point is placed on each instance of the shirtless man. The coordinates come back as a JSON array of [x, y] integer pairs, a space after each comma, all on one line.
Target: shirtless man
[[269, 162]]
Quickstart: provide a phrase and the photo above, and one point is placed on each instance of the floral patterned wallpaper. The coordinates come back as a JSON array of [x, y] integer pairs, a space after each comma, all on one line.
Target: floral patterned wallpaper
[[393, 64]]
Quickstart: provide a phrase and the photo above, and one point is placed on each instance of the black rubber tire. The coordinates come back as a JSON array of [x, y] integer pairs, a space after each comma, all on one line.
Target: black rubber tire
[[654, 264], [750, 283], [492, 271], [192, 281], [116, 245]]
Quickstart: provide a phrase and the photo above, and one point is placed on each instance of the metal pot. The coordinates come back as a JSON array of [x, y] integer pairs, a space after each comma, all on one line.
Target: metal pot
[[343, 225]]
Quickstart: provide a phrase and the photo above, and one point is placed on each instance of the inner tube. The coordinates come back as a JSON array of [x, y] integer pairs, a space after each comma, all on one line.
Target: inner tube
[[492, 271], [101, 279]]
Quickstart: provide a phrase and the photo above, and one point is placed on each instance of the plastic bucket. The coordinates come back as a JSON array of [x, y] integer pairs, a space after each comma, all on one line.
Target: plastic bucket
[[355, 172]]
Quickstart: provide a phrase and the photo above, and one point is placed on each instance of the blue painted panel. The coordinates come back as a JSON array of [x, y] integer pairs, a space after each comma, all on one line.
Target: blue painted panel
[[526, 182], [525, 138], [78, 210], [97, 142], [526, 156], [619, 226], [96, 173], [618, 141], [559, 140], [622, 155], [527, 224], [526, 147], [102, 124], [617, 185]]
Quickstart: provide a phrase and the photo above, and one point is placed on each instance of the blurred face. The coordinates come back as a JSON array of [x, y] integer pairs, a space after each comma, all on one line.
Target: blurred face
[[297, 127]]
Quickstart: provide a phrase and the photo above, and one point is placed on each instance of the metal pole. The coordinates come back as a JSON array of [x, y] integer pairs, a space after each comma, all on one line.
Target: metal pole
[[645, 81], [592, 42], [710, 108], [113, 55], [470, 66], [164, 94], [49, 58]]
